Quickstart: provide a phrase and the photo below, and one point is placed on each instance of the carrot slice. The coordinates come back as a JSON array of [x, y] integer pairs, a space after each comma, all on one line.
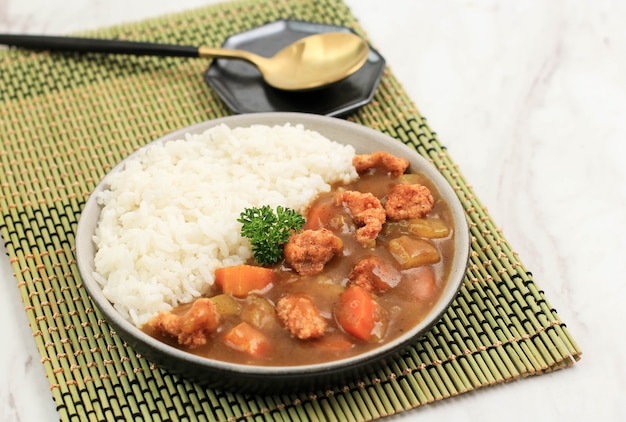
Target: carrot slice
[[239, 280], [319, 216], [356, 312], [245, 338]]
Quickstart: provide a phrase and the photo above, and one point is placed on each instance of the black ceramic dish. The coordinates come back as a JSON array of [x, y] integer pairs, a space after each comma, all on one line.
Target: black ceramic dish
[[241, 87], [276, 379]]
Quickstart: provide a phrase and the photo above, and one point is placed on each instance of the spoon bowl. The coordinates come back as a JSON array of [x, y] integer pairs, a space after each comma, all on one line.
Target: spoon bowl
[[311, 62]]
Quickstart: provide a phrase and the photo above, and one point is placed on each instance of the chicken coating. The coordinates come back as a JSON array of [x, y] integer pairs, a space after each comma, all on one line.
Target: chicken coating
[[308, 251], [408, 201], [374, 275], [367, 212], [381, 159], [192, 328], [301, 317]]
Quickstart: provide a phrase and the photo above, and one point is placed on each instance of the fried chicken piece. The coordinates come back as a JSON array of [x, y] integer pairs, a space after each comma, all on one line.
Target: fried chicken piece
[[308, 251], [367, 212], [381, 159], [408, 201], [192, 328], [300, 316], [374, 275]]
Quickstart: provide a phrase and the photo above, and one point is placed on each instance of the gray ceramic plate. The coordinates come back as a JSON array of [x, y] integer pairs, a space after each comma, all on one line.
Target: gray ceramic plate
[[282, 378]]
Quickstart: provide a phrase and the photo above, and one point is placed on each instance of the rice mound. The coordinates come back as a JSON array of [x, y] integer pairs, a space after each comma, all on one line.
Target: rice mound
[[169, 216]]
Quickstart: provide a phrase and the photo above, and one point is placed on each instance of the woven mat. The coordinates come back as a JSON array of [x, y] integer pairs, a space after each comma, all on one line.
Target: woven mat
[[65, 120]]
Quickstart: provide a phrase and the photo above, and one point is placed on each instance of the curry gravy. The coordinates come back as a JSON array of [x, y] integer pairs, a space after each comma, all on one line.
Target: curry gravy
[[403, 305]]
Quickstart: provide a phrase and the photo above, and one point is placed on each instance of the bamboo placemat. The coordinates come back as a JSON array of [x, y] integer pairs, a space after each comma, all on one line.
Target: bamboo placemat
[[66, 120]]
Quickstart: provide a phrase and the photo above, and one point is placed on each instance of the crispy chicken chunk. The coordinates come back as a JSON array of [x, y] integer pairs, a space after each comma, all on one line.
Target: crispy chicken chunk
[[308, 251], [392, 164], [300, 316], [408, 201], [367, 212], [192, 328], [374, 275]]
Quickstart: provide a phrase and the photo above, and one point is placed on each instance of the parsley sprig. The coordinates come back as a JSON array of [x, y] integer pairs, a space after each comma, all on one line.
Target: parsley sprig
[[268, 231]]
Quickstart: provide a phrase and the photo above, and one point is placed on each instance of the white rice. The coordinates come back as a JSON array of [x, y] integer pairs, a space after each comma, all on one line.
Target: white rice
[[169, 217]]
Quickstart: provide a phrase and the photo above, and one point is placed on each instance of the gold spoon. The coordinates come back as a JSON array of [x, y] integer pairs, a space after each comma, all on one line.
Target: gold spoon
[[311, 62]]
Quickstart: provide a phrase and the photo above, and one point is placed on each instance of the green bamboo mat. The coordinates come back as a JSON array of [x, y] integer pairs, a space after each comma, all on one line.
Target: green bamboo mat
[[65, 120]]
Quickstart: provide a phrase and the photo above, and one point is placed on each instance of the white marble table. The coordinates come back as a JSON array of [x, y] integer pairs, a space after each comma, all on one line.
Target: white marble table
[[529, 97]]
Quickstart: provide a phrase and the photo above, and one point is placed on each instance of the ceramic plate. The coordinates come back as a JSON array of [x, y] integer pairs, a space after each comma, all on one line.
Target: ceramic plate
[[251, 378]]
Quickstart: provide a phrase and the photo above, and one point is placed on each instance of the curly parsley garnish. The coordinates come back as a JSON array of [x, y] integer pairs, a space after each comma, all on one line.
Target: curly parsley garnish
[[268, 231]]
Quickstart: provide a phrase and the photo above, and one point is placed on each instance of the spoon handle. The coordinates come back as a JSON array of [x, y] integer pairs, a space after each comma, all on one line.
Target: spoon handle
[[96, 45]]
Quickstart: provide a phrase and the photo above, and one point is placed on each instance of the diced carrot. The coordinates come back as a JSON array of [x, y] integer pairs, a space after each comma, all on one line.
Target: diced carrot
[[356, 312], [245, 338], [239, 280], [319, 216]]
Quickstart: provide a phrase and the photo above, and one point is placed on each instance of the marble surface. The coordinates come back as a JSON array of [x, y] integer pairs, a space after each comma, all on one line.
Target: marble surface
[[529, 97]]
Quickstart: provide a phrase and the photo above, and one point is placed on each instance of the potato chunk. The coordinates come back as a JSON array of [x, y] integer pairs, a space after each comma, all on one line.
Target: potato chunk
[[411, 252], [431, 228]]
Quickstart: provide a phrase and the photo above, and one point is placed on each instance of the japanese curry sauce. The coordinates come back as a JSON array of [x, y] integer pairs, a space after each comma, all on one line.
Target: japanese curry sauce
[[405, 305]]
